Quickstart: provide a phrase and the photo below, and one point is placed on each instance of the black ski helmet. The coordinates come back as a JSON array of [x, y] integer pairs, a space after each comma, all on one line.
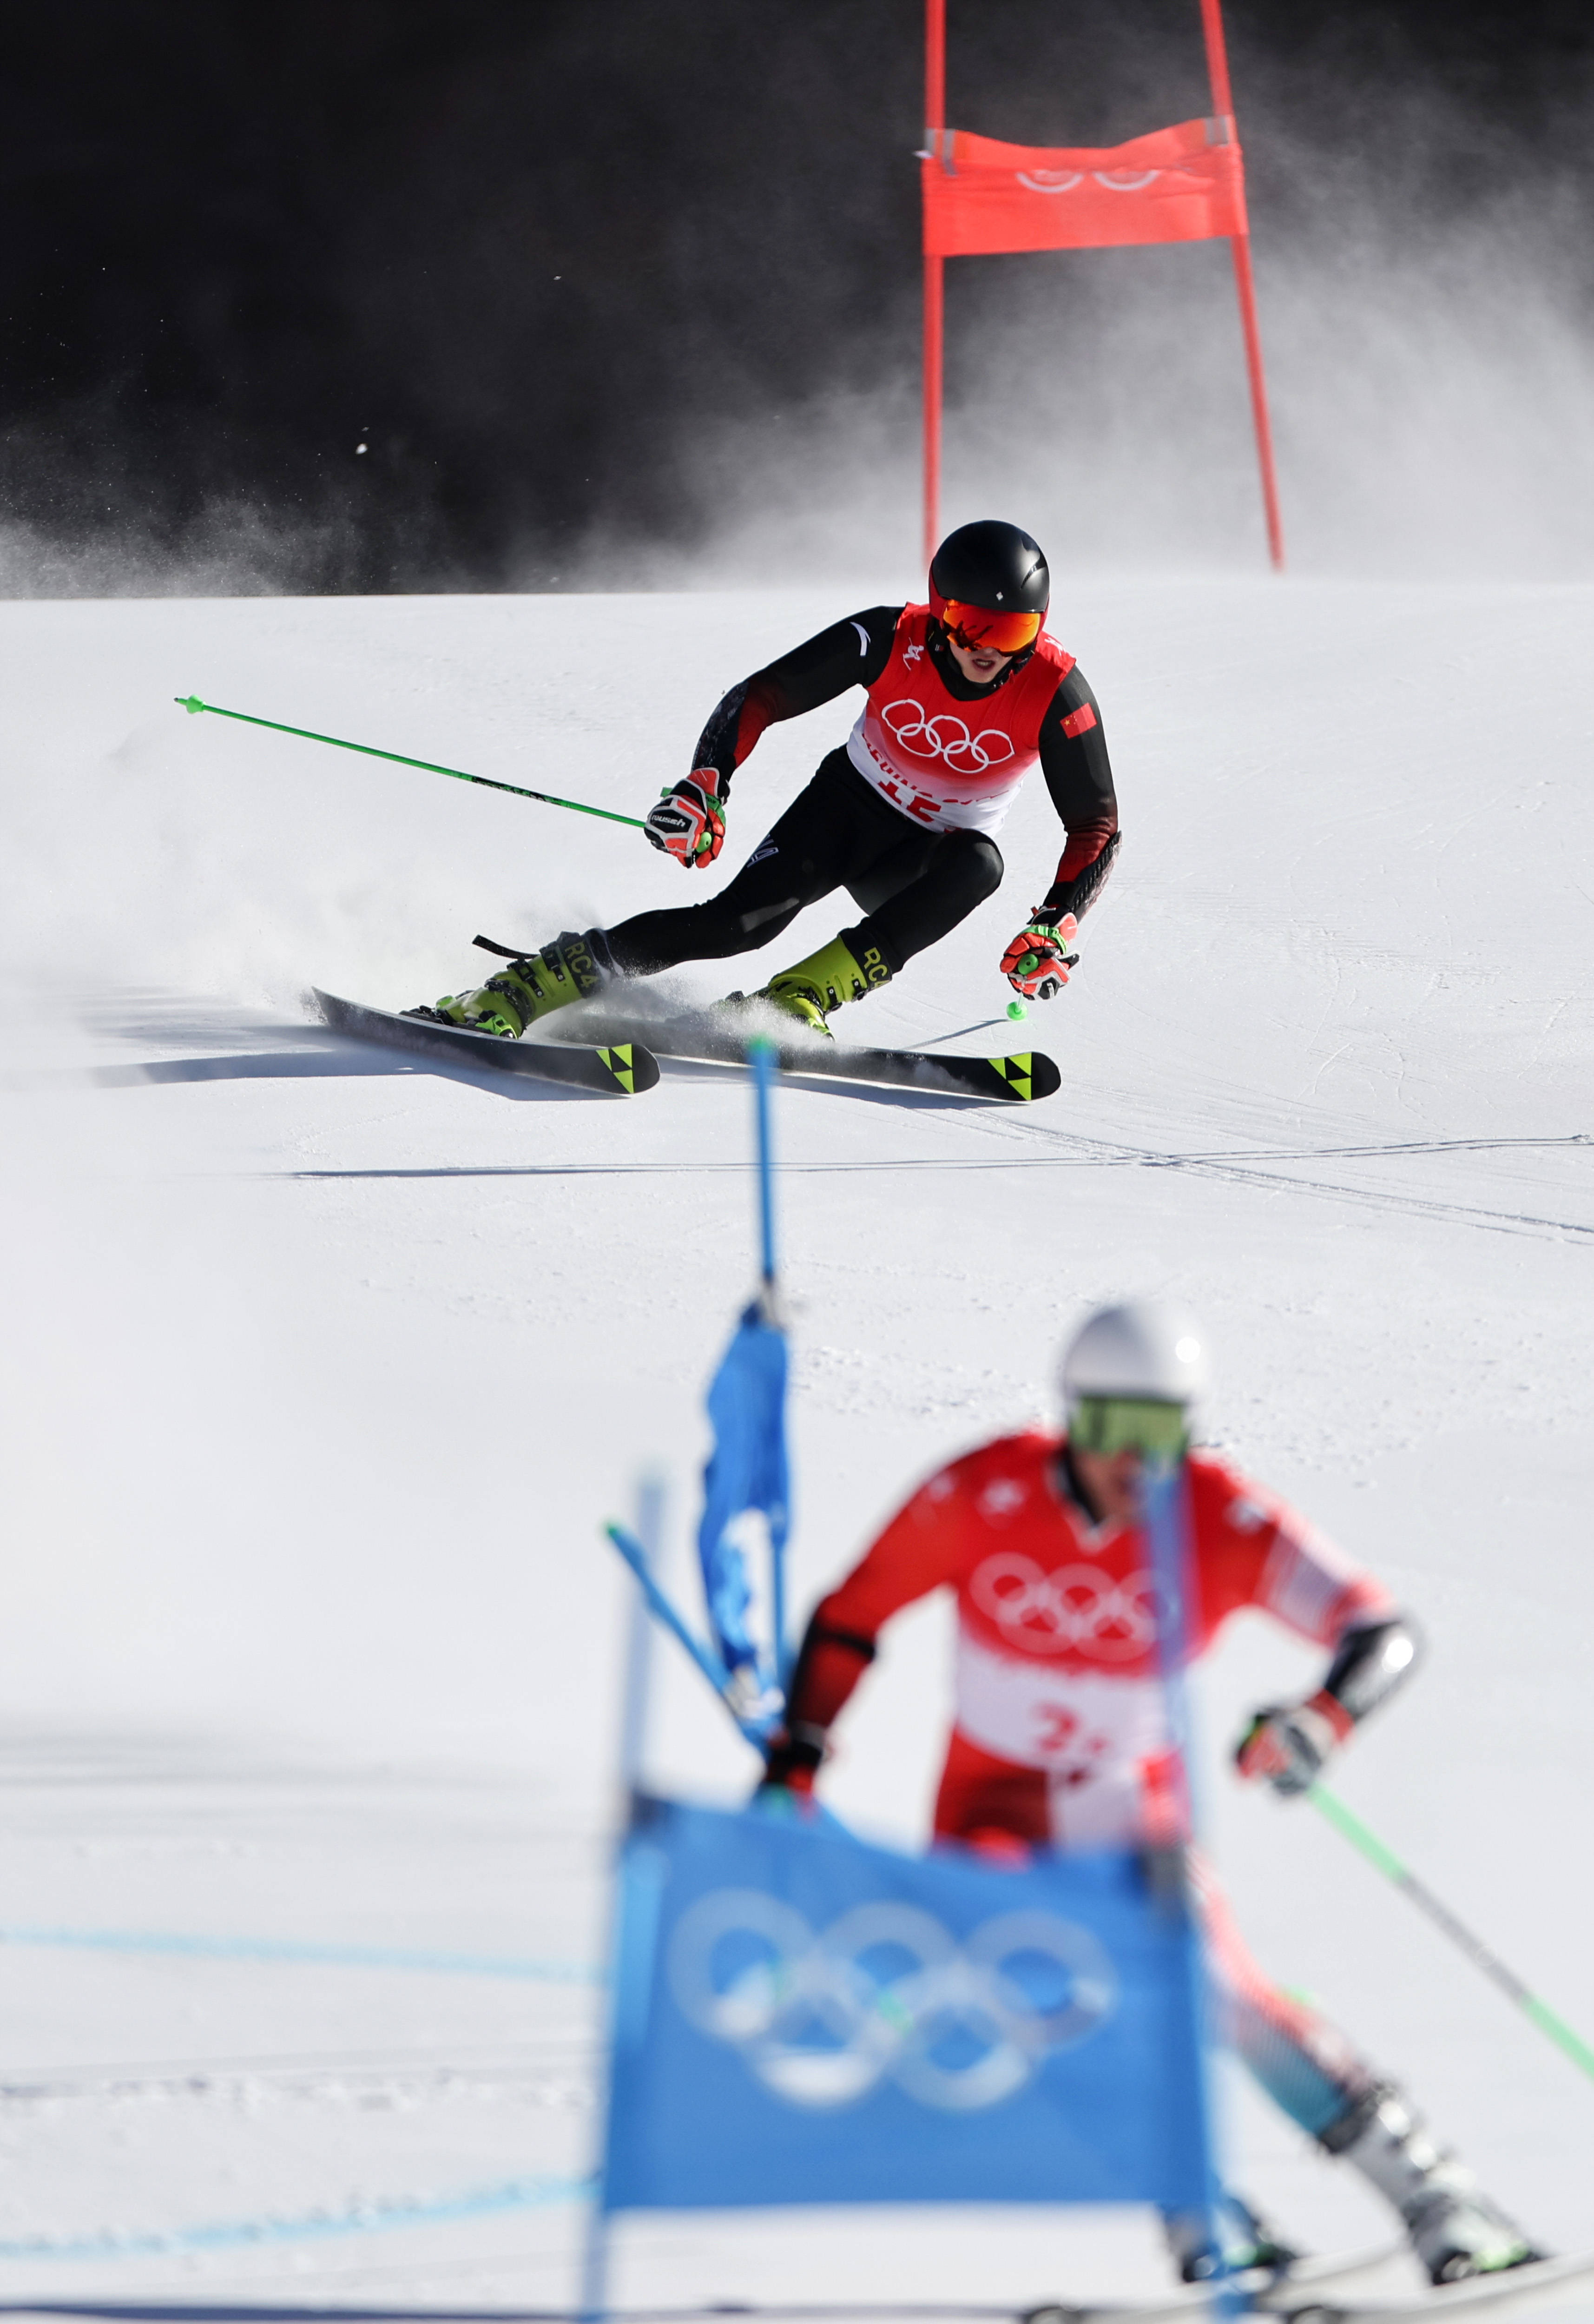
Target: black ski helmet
[[990, 564]]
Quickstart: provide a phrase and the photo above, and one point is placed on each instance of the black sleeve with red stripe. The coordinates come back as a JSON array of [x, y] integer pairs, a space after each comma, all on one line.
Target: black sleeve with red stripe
[[1079, 775], [852, 652]]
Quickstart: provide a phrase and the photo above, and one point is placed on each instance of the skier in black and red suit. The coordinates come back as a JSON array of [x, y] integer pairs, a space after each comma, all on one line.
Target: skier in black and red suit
[[1060, 1737], [964, 695]]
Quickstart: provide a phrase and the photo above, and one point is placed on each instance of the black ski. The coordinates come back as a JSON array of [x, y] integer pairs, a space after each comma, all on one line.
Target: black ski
[[719, 1035], [619, 1066], [720, 1038], [1501, 2289], [1285, 2294]]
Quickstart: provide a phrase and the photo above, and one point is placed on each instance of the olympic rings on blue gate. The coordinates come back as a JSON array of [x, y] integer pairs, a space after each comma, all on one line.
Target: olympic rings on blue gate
[[886, 1992]]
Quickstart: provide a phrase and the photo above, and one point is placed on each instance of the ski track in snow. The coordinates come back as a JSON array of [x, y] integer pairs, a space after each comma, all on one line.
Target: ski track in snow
[[1240, 1170], [323, 1368]]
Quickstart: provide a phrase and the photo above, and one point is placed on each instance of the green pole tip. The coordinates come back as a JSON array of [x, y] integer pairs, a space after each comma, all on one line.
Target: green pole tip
[[190, 703], [1016, 1009]]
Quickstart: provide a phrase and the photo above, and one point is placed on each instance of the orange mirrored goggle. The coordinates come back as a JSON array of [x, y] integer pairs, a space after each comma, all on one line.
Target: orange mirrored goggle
[[977, 625]]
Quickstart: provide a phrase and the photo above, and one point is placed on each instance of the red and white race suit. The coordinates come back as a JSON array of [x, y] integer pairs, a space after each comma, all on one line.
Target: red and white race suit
[[1059, 1718], [950, 765], [1059, 1735]]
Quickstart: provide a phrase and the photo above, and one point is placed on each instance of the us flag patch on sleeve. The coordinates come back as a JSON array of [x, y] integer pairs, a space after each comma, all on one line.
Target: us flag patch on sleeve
[[1080, 720]]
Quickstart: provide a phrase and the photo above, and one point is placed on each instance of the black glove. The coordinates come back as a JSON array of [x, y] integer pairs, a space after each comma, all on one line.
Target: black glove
[[791, 1762], [690, 821], [1289, 1744], [1037, 961]]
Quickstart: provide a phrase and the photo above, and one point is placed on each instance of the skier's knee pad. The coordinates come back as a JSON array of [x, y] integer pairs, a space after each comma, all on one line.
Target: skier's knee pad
[[980, 865]]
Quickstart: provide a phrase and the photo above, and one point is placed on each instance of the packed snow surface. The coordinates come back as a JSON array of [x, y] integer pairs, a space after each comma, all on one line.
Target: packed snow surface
[[322, 1366]]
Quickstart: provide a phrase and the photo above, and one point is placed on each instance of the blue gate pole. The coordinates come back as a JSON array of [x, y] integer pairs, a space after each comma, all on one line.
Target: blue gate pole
[[1165, 1507], [761, 1058], [633, 1734]]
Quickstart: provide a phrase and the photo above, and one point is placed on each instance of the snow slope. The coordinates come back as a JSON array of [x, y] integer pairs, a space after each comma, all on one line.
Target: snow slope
[[320, 1373]]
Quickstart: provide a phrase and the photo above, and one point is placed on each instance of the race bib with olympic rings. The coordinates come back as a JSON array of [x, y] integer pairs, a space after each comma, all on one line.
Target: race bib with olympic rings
[[1092, 1733], [946, 764]]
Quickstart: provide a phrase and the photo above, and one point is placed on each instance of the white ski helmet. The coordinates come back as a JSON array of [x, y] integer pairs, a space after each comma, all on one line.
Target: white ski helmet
[[1147, 1352]]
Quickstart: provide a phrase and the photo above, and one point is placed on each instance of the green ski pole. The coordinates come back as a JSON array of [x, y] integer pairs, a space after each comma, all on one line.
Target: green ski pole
[[1370, 1846], [193, 706]]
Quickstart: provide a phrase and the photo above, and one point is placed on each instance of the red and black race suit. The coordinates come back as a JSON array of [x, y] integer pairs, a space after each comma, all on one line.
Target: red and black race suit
[[1068, 737], [902, 816]]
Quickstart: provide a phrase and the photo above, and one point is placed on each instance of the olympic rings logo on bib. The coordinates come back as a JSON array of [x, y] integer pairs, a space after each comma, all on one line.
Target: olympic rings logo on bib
[[1076, 1607], [887, 1993], [946, 737]]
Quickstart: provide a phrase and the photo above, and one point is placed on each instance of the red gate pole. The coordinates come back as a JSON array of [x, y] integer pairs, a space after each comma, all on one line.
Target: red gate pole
[[935, 124], [1212, 25]]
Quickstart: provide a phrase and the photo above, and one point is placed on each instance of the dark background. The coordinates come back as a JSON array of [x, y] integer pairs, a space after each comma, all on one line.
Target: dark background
[[526, 252]]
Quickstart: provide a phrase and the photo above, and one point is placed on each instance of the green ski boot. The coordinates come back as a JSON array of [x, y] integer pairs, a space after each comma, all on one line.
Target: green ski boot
[[824, 980], [523, 991]]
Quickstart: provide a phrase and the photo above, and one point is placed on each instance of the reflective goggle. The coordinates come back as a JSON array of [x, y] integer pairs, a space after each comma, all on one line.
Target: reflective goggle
[[1127, 1424], [977, 625]]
